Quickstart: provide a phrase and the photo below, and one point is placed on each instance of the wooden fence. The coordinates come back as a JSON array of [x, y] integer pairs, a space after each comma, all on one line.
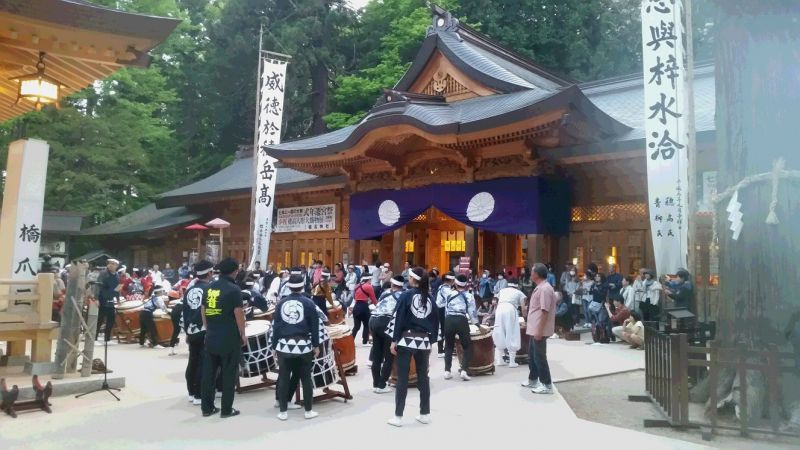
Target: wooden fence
[[667, 361], [26, 307]]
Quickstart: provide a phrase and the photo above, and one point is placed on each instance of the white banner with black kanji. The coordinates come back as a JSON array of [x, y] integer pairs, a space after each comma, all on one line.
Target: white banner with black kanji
[[270, 113], [667, 130]]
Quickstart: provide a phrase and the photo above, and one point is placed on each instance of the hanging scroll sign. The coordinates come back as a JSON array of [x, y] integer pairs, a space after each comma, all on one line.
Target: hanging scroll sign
[[667, 130], [269, 119]]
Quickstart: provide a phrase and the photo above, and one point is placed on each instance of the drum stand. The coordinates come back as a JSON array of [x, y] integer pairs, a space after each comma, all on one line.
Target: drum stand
[[327, 392], [105, 386], [264, 383]]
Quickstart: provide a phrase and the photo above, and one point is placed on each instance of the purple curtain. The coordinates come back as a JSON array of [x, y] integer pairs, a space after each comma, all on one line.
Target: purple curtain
[[525, 205]]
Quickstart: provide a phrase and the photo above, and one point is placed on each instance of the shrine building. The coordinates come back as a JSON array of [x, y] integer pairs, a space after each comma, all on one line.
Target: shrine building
[[476, 151]]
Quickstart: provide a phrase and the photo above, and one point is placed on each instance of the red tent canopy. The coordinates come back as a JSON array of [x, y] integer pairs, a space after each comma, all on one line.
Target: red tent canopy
[[196, 227]]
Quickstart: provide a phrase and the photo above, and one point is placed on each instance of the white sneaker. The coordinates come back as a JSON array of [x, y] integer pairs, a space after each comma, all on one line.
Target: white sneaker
[[542, 389], [191, 398], [218, 395], [311, 414], [513, 364], [197, 402], [440, 355], [424, 419], [369, 364], [283, 416], [447, 375], [395, 421], [527, 383], [111, 343], [386, 390], [464, 376], [160, 347]]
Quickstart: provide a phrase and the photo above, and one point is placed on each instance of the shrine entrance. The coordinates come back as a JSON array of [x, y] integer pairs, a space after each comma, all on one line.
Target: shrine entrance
[[433, 239]]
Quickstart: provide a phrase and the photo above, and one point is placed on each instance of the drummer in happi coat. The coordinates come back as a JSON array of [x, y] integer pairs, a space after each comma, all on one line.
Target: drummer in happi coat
[[295, 339]]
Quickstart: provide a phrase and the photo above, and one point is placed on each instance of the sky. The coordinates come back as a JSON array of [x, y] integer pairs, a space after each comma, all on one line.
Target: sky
[[357, 3]]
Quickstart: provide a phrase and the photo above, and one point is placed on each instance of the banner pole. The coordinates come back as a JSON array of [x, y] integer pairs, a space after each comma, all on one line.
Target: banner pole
[[251, 239]]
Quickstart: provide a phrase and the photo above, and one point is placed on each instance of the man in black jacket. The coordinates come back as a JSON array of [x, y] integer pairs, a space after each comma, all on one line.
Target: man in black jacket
[[109, 284], [195, 330], [223, 319], [295, 338]]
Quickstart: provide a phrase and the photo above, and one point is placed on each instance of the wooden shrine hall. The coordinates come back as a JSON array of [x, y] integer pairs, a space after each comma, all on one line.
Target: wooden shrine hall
[[476, 151]]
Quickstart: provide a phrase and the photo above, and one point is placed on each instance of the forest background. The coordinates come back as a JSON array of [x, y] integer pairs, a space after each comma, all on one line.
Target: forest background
[[140, 132]]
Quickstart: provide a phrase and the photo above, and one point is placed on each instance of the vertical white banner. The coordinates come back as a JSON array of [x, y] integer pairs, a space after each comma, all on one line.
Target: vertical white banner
[[667, 130], [270, 114]]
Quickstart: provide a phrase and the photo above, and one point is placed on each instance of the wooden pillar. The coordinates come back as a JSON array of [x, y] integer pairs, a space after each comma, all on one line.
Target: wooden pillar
[[295, 253], [355, 253], [535, 249], [471, 249], [398, 249]]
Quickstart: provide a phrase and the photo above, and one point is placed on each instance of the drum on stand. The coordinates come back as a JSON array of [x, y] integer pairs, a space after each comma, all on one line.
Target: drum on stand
[[264, 315], [524, 340], [336, 314], [164, 327], [345, 344], [482, 361], [325, 372], [128, 323], [257, 357]]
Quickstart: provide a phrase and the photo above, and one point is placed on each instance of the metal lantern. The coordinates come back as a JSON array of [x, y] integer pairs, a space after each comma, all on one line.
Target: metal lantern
[[38, 87]]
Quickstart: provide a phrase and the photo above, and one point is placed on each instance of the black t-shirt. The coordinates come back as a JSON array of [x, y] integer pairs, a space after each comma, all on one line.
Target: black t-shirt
[[220, 299]]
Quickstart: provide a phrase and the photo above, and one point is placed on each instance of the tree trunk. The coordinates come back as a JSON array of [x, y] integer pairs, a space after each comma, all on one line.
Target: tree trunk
[[757, 50], [319, 97]]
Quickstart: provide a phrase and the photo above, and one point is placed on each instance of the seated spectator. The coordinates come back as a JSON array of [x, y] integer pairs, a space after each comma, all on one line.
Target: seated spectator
[[564, 319], [617, 313], [632, 330], [483, 310], [488, 320]]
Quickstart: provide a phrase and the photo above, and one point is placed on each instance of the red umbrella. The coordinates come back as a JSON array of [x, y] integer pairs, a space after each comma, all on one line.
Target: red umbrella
[[199, 228]]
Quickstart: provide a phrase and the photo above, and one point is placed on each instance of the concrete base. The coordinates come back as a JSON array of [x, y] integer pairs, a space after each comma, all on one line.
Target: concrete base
[[71, 386], [9, 361], [40, 368]]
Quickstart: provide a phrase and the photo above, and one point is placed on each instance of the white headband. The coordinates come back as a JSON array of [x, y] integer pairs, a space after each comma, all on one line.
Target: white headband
[[414, 275], [203, 272], [512, 284], [295, 272], [461, 283], [449, 277], [397, 282], [295, 285]]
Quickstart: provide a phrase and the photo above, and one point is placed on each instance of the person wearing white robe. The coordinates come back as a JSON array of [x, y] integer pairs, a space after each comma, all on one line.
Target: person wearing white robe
[[506, 324], [277, 288]]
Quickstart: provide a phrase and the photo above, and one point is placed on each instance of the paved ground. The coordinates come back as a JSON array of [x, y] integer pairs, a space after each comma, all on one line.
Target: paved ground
[[481, 413], [603, 399]]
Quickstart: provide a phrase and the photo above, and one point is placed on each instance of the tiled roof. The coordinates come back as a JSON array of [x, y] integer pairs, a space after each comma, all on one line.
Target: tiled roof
[[147, 219]]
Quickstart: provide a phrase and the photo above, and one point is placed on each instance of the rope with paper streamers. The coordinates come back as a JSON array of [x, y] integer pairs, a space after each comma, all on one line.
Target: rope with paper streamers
[[777, 174]]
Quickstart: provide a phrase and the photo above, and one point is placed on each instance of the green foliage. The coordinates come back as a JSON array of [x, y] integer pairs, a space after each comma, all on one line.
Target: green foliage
[[118, 144]]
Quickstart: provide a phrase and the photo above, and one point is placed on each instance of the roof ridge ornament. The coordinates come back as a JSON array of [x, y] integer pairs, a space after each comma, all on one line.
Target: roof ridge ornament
[[443, 21]]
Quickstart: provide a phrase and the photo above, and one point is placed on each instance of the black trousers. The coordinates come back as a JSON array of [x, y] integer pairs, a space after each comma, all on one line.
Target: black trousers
[[539, 368], [175, 315], [148, 327], [194, 368], [440, 344], [361, 315], [404, 355], [380, 354], [295, 367], [649, 311], [107, 314], [456, 325], [321, 304], [228, 365]]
